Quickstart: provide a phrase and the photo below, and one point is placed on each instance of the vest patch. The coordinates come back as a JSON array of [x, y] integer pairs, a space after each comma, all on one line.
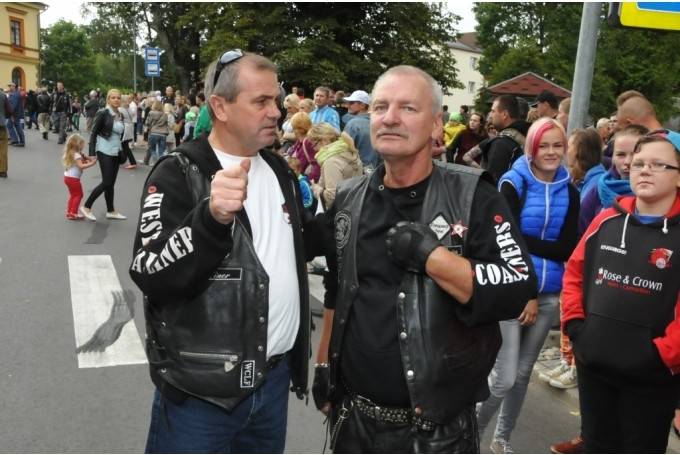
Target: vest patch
[[227, 274], [247, 374], [343, 227], [440, 226], [458, 229]]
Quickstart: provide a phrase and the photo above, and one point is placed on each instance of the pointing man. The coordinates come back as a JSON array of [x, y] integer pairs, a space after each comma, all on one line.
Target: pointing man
[[219, 255]]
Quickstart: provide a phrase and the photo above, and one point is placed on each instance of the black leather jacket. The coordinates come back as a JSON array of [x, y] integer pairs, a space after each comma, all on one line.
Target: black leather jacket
[[447, 349], [206, 314], [44, 102], [101, 126]]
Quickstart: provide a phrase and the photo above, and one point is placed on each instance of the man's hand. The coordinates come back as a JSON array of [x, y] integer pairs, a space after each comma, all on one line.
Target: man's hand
[[320, 388], [409, 244], [228, 192]]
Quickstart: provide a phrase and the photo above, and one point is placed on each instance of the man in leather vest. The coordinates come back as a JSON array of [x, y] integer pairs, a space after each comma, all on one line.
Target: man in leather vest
[[219, 255], [428, 262]]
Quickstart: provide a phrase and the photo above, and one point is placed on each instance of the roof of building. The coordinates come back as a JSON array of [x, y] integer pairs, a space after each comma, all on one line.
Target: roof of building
[[528, 85], [467, 42]]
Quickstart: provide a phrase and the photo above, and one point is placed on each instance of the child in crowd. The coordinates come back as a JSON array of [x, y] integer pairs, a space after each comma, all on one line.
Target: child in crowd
[[621, 307], [308, 200], [74, 162], [189, 126]]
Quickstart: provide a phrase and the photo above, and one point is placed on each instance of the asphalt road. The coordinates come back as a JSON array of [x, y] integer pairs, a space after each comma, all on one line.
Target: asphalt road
[[48, 403]]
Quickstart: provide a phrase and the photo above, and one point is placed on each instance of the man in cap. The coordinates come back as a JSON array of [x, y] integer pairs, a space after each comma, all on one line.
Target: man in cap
[[547, 104], [359, 128], [16, 119]]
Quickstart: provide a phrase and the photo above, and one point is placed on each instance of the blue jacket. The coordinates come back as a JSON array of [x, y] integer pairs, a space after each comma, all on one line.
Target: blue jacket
[[359, 129], [544, 209], [17, 104], [590, 179], [326, 114]]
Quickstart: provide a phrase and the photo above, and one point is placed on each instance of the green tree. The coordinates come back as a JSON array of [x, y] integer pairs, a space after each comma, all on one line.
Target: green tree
[[543, 38], [338, 44], [67, 55]]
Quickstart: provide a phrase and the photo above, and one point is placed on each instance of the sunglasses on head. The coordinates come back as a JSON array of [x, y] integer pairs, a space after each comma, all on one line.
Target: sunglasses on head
[[226, 58]]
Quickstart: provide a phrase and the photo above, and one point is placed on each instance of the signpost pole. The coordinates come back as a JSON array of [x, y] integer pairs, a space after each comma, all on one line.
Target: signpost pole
[[585, 62]]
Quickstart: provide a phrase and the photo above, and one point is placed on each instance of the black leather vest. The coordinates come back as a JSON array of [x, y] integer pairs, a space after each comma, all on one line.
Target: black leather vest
[[214, 345], [445, 361]]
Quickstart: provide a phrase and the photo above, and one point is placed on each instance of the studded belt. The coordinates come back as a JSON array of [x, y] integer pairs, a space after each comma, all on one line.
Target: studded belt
[[392, 415]]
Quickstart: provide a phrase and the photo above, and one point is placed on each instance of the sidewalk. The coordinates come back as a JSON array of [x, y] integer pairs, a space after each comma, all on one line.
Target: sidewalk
[[570, 396]]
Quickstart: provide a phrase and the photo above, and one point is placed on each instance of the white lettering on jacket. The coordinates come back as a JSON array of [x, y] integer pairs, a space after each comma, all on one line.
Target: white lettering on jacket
[[178, 245], [515, 268], [150, 224]]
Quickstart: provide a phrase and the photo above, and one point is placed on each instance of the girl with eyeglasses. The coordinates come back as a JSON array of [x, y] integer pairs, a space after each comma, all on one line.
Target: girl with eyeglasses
[[620, 299]]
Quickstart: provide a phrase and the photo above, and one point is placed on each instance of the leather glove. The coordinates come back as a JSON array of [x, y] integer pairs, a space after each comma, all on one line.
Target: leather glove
[[409, 245], [321, 386]]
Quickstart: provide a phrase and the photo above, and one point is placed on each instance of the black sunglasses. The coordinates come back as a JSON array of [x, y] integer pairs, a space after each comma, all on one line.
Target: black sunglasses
[[227, 58]]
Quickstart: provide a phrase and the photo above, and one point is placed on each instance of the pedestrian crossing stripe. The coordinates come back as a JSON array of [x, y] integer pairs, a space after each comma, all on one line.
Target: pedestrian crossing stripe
[[105, 333]]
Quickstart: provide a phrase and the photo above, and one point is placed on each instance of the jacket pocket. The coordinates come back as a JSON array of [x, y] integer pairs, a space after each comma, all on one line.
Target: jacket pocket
[[610, 345], [215, 374]]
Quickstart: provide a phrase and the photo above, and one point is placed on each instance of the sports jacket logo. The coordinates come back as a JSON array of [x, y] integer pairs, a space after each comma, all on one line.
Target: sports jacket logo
[[661, 258]]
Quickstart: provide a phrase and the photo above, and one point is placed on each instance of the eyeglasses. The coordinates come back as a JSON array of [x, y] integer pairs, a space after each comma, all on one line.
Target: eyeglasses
[[227, 58], [638, 166]]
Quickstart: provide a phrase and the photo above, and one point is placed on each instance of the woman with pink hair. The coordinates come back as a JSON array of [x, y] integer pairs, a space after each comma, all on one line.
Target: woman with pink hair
[[545, 204]]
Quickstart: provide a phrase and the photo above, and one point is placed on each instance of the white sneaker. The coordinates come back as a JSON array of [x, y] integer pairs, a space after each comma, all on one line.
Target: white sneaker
[[115, 216], [566, 380], [500, 446], [87, 213], [555, 372]]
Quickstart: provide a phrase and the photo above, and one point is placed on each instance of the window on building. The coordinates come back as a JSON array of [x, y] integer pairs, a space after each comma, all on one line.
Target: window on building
[[15, 32], [17, 77], [473, 63], [471, 87]]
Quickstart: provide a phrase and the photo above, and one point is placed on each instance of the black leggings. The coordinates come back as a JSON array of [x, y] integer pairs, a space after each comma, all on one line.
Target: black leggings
[[109, 169], [128, 152]]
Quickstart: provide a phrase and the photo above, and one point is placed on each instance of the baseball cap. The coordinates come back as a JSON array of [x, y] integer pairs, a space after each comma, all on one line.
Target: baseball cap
[[674, 137], [546, 96], [360, 96]]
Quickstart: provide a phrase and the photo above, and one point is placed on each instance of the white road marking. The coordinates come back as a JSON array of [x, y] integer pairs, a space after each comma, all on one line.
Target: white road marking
[[93, 284]]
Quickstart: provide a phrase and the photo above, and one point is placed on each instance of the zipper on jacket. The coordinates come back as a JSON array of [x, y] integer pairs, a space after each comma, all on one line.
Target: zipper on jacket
[[547, 212], [230, 360]]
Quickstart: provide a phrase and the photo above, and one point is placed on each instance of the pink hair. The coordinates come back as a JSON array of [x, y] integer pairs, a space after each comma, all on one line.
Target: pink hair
[[536, 132]]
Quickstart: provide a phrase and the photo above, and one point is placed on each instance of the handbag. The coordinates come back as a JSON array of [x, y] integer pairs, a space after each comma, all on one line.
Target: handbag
[[122, 157]]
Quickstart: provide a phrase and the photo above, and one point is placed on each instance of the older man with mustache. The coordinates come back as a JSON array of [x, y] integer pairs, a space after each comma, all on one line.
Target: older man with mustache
[[411, 334]]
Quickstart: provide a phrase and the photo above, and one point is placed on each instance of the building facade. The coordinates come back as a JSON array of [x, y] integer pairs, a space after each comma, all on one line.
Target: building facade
[[20, 43], [467, 54]]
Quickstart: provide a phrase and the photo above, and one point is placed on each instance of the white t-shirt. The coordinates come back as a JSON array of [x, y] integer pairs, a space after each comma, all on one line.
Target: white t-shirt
[[74, 171], [273, 241]]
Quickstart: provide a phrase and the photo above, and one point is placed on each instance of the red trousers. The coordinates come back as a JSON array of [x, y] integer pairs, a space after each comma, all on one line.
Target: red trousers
[[75, 191]]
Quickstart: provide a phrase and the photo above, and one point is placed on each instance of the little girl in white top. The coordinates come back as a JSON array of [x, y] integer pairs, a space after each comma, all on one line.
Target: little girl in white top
[[74, 162]]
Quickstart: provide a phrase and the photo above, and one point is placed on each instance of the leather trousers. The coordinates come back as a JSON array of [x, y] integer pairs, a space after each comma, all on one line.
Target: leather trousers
[[355, 432]]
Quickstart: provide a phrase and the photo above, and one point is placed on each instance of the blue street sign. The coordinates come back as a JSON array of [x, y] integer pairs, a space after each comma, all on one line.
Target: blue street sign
[[152, 69], [152, 54]]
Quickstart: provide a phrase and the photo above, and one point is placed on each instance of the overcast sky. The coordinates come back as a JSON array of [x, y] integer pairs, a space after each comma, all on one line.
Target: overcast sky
[[71, 12]]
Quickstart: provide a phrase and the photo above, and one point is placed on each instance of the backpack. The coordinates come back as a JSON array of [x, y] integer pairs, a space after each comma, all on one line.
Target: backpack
[[517, 149]]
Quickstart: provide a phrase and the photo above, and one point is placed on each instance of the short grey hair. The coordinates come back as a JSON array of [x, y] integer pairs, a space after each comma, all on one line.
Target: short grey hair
[[435, 88], [228, 86]]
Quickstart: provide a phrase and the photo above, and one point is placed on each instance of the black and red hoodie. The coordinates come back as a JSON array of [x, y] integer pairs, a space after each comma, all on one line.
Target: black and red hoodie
[[620, 295]]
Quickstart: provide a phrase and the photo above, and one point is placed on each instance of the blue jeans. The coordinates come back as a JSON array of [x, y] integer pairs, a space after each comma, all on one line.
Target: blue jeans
[[16, 130], [510, 376], [256, 425], [157, 145]]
